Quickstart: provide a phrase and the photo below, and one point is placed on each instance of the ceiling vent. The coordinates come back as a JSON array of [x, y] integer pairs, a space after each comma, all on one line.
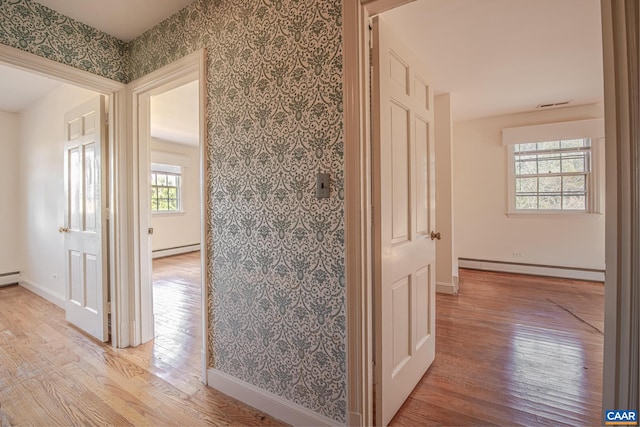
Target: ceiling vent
[[554, 105]]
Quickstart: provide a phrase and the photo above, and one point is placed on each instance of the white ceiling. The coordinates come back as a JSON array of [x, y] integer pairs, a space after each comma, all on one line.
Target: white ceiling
[[174, 115], [506, 56], [19, 89], [124, 19]]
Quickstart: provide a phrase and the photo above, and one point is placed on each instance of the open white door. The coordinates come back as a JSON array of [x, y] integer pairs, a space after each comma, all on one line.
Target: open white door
[[404, 216], [84, 228]]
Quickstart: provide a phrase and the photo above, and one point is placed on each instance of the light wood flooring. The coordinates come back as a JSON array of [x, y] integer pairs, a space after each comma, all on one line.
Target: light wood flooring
[[52, 374], [510, 350]]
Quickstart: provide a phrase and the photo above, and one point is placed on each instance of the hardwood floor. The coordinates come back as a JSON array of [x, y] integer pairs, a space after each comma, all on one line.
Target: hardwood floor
[[513, 350], [52, 374], [510, 350]]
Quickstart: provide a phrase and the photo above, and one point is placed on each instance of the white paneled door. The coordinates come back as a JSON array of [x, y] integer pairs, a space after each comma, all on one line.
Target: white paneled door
[[404, 207], [84, 228]]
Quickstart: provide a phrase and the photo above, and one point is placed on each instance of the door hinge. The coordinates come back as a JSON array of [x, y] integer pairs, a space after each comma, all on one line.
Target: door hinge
[[107, 214], [106, 119], [109, 307]]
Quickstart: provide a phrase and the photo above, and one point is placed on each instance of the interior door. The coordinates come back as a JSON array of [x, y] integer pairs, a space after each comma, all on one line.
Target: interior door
[[404, 216], [84, 228]]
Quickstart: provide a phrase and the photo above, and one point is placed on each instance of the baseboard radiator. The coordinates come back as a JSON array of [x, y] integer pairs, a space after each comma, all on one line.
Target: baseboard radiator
[[179, 250], [8, 279], [576, 273]]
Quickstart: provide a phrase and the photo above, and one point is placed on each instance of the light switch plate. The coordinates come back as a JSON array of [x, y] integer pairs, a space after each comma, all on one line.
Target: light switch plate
[[323, 186]]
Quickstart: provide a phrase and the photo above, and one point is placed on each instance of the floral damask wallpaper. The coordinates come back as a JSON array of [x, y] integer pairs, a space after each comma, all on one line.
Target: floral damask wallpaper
[[274, 121], [35, 28]]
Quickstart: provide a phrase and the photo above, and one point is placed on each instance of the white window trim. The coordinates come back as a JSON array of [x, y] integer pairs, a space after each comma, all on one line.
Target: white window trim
[[594, 189]]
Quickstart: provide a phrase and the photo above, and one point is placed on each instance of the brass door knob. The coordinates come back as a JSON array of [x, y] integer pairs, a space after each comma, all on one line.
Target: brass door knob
[[435, 236], [63, 230]]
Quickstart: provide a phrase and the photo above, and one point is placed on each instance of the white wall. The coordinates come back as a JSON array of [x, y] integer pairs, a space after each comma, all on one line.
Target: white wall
[[181, 229], [483, 231], [9, 213], [446, 267], [41, 183]]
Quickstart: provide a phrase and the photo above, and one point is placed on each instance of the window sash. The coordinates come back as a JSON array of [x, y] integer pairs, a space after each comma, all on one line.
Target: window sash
[[173, 204], [562, 200]]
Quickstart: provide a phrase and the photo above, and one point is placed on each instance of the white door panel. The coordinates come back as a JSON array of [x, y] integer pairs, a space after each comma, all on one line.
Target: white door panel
[[404, 206], [86, 284]]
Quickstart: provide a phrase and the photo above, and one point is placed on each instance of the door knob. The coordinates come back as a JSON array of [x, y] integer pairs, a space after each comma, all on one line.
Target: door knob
[[150, 231], [63, 230], [435, 236]]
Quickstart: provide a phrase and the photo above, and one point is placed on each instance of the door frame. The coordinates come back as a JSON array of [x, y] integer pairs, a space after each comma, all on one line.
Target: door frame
[[178, 73], [116, 257], [619, 330]]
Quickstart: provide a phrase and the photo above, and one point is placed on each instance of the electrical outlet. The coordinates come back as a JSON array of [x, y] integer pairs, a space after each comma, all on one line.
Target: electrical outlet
[[517, 254]]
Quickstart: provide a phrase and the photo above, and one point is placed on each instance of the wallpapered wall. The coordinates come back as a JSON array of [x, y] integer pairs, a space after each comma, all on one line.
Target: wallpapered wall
[[34, 28], [274, 120], [274, 82]]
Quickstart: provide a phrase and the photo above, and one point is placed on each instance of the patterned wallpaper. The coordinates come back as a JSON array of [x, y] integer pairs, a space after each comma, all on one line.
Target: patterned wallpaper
[[274, 83], [274, 120], [32, 27]]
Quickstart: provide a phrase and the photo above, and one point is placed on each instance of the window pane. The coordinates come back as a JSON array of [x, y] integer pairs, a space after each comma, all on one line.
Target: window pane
[[519, 148], [574, 143], [526, 168], [526, 202], [549, 166], [526, 185], [172, 193], [171, 180], [574, 202], [572, 184], [573, 163], [162, 179], [153, 179], [550, 202], [550, 184], [550, 145]]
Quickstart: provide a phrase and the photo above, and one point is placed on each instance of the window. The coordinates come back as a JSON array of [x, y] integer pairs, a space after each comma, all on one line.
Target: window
[[165, 188], [552, 176]]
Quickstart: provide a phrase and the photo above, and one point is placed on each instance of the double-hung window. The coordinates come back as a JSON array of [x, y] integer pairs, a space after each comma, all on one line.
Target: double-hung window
[[553, 176], [166, 188]]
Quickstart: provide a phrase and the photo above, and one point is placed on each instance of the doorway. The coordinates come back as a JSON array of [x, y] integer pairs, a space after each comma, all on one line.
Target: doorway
[[38, 222], [175, 205], [169, 183], [357, 154]]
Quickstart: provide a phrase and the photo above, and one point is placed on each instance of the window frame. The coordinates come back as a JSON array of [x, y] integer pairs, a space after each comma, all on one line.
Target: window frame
[[593, 186], [155, 170]]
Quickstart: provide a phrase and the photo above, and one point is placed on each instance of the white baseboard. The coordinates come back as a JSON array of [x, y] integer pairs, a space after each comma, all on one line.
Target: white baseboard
[[9, 279], [537, 270], [265, 401], [355, 419], [52, 297], [175, 251], [445, 288]]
